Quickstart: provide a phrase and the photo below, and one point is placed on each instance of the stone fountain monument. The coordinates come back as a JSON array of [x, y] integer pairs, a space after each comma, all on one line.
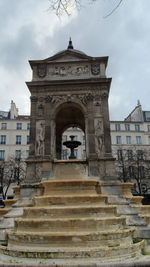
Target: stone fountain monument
[[69, 89], [71, 219]]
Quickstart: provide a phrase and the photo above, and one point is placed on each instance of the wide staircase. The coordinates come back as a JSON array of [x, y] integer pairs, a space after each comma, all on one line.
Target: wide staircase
[[71, 222]]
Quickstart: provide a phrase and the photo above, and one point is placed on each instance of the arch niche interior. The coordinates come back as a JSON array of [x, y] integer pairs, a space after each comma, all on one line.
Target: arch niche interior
[[68, 115]]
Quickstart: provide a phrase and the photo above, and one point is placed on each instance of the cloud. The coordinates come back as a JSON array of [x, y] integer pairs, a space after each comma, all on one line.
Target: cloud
[[29, 31]]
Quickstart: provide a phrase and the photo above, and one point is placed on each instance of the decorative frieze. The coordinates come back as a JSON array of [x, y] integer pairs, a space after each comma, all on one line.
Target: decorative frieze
[[68, 70], [34, 99], [48, 99], [72, 70]]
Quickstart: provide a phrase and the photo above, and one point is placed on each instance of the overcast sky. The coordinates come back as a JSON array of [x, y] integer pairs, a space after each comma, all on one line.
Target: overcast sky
[[29, 31]]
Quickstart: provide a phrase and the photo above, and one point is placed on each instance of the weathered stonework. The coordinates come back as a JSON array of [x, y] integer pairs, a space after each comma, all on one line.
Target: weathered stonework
[[69, 89]]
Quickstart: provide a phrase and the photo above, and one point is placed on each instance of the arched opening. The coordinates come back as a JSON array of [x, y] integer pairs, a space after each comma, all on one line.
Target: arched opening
[[69, 115], [79, 135]]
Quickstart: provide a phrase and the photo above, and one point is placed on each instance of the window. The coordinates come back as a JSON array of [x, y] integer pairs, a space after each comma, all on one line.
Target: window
[[121, 171], [148, 128], [64, 154], [128, 140], [137, 127], [149, 140], [118, 140], [28, 139], [140, 154], [4, 126], [27, 154], [18, 139], [76, 153], [19, 126], [127, 127], [28, 126], [18, 154], [2, 154], [117, 126], [3, 139], [141, 172], [119, 154], [129, 154], [84, 153], [138, 140], [131, 171]]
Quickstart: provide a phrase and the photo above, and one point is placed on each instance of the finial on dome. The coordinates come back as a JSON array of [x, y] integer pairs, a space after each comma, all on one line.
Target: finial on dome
[[70, 45], [138, 103]]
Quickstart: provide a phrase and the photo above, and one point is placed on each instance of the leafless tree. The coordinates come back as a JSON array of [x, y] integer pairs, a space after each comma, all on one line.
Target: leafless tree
[[66, 6], [134, 166], [12, 171]]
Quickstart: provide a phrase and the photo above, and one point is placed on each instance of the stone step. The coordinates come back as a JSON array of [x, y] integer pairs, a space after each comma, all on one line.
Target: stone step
[[104, 253], [70, 224], [69, 239], [65, 211], [146, 218], [9, 202], [3, 211], [84, 186], [76, 199], [142, 209]]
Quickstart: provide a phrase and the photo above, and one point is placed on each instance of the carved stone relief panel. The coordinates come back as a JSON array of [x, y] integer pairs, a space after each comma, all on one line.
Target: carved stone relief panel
[[41, 70], [33, 99], [66, 70], [40, 137], [99, 136], [95, 68], [48, 99]]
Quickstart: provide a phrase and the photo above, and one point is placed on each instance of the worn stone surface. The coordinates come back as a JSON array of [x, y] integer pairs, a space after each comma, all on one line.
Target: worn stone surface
[[67, 92], [71, 220]]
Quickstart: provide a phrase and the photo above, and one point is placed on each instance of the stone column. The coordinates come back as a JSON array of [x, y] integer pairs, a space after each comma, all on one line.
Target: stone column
[[48, 127], [34, 100], [91, 137], [105, 111], [53, 139]]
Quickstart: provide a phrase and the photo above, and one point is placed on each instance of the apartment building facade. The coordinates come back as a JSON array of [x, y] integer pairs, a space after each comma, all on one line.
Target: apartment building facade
[[14, 134], [129, 137]]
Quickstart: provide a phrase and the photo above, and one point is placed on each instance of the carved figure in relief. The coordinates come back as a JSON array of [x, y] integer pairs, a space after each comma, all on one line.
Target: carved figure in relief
[[86, 69], [70, 70], [99, 137], [40, 136], [79, 70], [62, 71]]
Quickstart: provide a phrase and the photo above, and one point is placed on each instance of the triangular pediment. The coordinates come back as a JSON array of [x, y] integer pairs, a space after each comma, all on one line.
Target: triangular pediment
[[68, 55]]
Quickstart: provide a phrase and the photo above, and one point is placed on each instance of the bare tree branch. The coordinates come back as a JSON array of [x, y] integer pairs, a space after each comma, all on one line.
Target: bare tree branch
[[109, 14], [64, 6], [12, 171], [67, 6]]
